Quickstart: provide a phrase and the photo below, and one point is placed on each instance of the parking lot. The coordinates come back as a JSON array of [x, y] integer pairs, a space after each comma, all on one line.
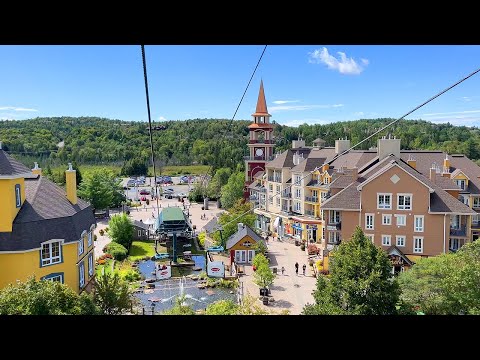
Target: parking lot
[[134, 192]]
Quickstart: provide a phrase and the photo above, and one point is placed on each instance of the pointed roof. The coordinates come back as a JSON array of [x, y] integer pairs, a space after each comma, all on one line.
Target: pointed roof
[[261, 109]]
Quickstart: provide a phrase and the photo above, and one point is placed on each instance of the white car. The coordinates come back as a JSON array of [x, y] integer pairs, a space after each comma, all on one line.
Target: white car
[[168, 191]]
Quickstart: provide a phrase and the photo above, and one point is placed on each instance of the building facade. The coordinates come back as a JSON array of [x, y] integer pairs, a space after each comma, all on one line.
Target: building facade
[[412, 203], [45, 231]]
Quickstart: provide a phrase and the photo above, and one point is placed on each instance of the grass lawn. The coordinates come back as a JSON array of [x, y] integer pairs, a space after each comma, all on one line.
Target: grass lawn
[[107, 266], [140, 249]]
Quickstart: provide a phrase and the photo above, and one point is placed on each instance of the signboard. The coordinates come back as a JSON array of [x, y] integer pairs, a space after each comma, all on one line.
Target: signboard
[[163, 272], [215, 269], [331, 227], [313, 227]]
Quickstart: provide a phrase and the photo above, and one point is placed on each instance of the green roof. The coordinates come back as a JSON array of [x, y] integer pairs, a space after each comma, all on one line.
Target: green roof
[[172, 214]]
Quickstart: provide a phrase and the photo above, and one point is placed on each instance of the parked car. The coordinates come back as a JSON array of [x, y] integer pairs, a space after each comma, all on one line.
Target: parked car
[[168, 190], [144, 192], [182, 195]]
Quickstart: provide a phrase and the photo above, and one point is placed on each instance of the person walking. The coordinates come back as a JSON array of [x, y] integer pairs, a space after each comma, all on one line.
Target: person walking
[[296, 268], [304, 268], [283, 269]]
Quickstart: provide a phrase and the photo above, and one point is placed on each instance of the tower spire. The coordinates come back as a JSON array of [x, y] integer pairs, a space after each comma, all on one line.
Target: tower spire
[[261, 109]]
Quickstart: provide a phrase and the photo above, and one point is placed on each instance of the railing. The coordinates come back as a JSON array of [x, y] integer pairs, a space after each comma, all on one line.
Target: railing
[[309, 213], [287, 195], [462, 231], [259, 158], [311, 198], [475, 224], [334, 226], [274, 179], [260, 141], [334, 242]]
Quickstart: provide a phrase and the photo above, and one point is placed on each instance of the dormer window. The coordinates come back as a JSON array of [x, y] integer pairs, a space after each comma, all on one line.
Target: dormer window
[[18, 196], [461, 183]]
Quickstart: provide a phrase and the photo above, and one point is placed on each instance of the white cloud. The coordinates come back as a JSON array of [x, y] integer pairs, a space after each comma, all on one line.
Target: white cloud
[[453, 113], [161, 118], [466, 98], [302, 107], [344, 64], [13, 108], [359, 113], [280, 102]]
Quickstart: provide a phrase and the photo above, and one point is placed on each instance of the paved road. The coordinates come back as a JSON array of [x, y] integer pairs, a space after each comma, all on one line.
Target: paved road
[[290, 291]]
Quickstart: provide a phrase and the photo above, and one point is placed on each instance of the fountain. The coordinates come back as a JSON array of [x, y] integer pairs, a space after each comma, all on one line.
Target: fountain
[[166, 291]]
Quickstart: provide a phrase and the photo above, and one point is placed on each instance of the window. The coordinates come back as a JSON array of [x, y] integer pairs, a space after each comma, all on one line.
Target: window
[[326, 180], [90, 265], [401, 220], [297, 206], [270, 187], [81, 274], [453, 244], [476, 202], [298, 193], [139, 233], [51, 253], [18, 196], [278, 201], [384, 201], [400, 240], [334, 217], [418, 244], [404, 202], [270, 200], [386, 219], [369, 221], [386, 240], [298, 179], [460, 183], [80, 246], [418, 223], [90, 238], [334, 238], [475, 219], [278, 189], [323, 195], [58, 277], [370, 236]]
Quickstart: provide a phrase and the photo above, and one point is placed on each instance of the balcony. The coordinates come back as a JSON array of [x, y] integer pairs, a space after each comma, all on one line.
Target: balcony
[[258, 158], [274, 179], [310, 213], [334, 226], [260, 141], [254, 198], [475, 224], [461, 231], [287, 195], [311, 199]]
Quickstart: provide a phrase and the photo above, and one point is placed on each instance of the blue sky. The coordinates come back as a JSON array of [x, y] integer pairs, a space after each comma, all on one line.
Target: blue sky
[[303, 84]]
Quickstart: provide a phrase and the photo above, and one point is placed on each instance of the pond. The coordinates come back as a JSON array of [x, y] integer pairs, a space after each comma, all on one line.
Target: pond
[[163, 296]]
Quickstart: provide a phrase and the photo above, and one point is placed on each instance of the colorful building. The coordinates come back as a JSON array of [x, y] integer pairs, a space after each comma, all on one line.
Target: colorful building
[[45, 231], [240, 245]]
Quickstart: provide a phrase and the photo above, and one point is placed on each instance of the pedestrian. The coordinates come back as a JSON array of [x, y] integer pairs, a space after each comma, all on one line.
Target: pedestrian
[[296, 268], [304, 268], [283, 269]]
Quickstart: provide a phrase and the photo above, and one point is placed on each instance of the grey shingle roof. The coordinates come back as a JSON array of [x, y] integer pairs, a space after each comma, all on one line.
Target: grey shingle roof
[[354, 158], [285, 159], [309, 164], [140, 224], [239, 235], [259, 175], [346, 199], [46, 214], [342, 181], [211, 225], [11, 167]]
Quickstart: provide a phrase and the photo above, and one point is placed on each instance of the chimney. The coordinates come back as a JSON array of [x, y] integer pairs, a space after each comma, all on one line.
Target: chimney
[[355, 173], [411, 161], [446, 166], [36, 169], [240, 226], [341, 145], [325, 167], [433, 173], [387, 147], [298, 143], [71, 184]]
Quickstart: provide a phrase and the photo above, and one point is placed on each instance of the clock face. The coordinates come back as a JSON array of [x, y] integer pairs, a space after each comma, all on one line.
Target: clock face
[[259, 152]]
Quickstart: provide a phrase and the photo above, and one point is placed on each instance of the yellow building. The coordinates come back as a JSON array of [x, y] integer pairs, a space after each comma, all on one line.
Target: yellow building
[[44, 230]]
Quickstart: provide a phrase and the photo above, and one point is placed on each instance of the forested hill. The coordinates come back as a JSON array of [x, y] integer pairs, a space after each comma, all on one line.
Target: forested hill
[[217, 142]]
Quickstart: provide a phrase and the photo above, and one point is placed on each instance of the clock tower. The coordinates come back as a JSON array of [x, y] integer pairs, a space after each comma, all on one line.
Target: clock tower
[[260, 143]]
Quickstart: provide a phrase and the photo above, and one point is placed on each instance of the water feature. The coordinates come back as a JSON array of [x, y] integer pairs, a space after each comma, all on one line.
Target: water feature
[[165, 293]]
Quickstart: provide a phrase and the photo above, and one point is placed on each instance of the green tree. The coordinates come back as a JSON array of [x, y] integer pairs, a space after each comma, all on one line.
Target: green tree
[[222, 307], [99, 188], [446, 284], [121, 230], [44, 297], [260, 248], [259, 260], [180, 308], [112, 294], [233, 190], [360, 281], [239, 213], [134, 167], [219, 179], [263, 275]]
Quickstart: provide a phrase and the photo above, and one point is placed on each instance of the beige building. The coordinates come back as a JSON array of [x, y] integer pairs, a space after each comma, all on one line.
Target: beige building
[[412, 203]]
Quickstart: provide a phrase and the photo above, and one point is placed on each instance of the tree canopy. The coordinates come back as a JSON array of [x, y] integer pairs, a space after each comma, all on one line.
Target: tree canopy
[[112, 294], [121, 230], [360, 281], [101, 189], [233, 190], [239, 212], [44, 297]]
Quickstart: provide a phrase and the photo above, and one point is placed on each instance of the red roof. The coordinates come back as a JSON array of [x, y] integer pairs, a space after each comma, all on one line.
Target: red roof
[[261, 109]]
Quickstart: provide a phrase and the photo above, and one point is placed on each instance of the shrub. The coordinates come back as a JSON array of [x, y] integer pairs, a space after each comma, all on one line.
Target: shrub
[[132, 275], [101, 261], [118, 251], [101, 232], [201, 239]]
